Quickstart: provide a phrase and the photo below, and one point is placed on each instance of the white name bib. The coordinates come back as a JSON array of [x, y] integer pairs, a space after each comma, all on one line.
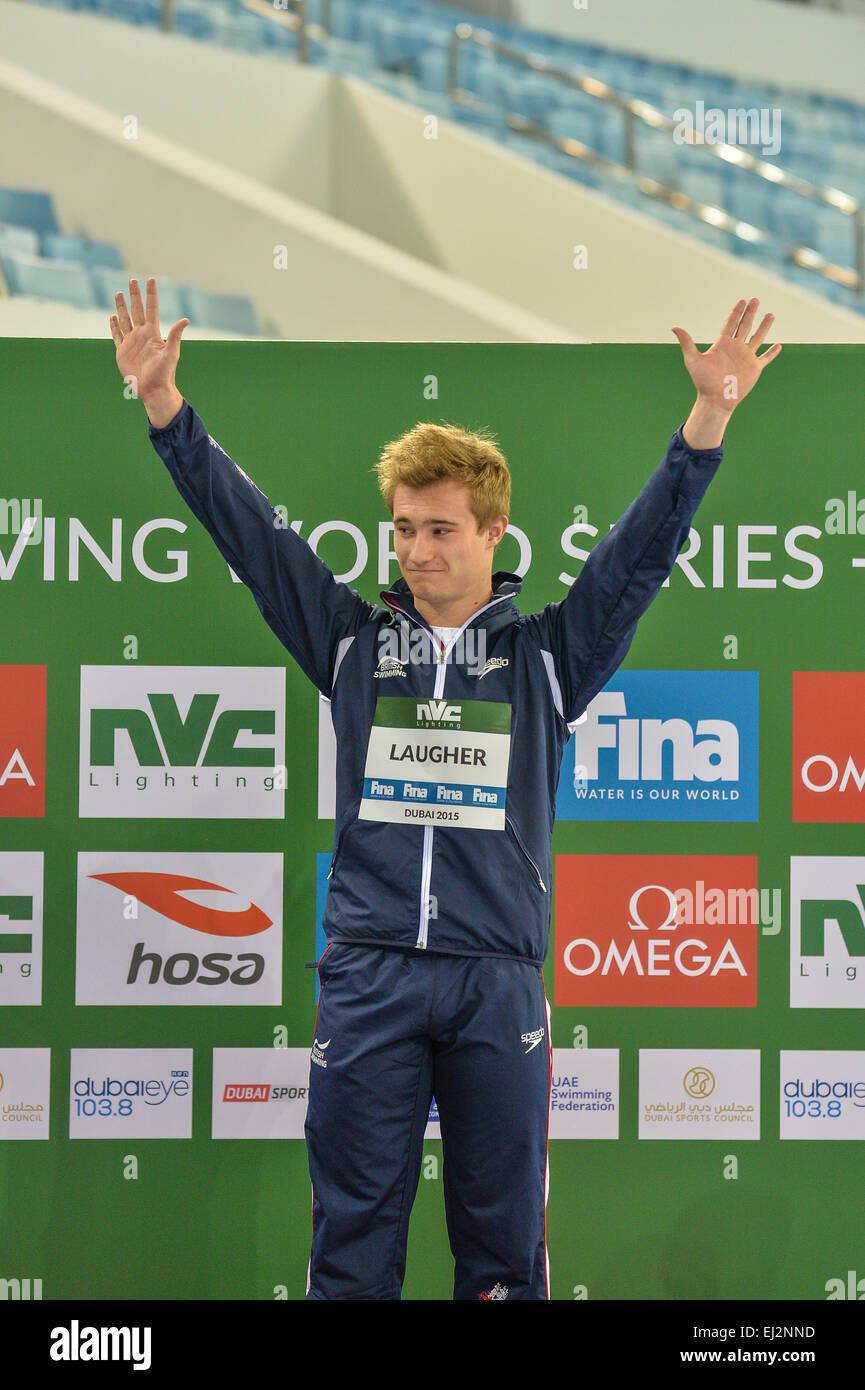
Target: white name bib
[[438, 762]]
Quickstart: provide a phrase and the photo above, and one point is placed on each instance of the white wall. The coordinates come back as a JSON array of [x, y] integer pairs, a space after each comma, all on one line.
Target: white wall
[[187, 217]]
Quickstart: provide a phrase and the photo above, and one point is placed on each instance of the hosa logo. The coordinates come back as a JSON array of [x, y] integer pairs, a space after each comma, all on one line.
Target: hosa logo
[[156, 936], [624, 936], [160, 892], [665, 745], [827, 933], [439, 712], [828, 746], [182, 741]]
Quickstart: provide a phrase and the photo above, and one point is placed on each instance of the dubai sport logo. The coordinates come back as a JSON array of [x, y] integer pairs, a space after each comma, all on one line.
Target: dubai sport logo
[[665, 745]]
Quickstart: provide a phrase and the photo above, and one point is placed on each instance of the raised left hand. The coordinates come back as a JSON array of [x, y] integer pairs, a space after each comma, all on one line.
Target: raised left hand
[[727, 371]]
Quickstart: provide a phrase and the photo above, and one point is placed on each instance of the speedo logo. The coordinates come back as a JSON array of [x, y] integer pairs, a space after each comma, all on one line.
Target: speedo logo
[[439, 712], [532, 1039], [493, 663]]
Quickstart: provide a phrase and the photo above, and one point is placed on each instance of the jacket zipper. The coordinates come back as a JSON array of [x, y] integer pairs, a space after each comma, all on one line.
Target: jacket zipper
[[337, 848], [525, 852], [428, 830]]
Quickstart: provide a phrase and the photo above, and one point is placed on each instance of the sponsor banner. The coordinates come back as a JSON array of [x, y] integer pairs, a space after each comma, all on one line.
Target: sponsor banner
[[130, 1093], [25, 1092], [659, 930], [22, 740], [433, 1126], [437, 761], [828, 749], [21, 874], [827, 932], [665, 745], [174, 928], [185, 741], [584, 1095], [259, 1092], [699, 1093], [822, 1095]]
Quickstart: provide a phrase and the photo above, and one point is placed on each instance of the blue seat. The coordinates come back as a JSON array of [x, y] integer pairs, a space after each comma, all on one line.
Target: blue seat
[[432, 70], [172, 298], [54, 280], [56, 246], [233, 313], [22, 239], [26, 208]]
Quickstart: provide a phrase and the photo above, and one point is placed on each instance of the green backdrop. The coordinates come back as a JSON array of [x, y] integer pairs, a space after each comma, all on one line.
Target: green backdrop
[[580, 425]]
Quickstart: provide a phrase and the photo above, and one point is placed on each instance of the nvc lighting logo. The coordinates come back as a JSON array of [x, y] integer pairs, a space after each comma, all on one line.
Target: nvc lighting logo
[[827, 932], [665, 745], [182, 741]]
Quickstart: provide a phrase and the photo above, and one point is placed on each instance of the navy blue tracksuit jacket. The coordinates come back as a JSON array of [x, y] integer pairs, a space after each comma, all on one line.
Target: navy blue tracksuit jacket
[[437, 915]]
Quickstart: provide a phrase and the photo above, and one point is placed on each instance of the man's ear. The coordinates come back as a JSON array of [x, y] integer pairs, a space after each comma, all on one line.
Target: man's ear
[[496, 530]]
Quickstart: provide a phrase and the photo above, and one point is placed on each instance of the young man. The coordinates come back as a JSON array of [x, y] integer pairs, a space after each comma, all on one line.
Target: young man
[[448, 760]]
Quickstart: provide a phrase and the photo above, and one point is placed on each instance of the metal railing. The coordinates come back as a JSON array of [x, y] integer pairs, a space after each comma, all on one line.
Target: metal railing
[[636, 110], [292, 14]]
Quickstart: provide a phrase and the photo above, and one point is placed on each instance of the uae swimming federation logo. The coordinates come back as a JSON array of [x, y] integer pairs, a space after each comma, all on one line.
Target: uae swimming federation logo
[[497, 1291]]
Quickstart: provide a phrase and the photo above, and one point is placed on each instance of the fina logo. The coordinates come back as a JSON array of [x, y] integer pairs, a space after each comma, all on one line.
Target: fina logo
[[666, 745]]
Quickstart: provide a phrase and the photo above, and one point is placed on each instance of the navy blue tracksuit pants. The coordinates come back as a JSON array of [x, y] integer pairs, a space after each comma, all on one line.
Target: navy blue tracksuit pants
[[395, 1027]]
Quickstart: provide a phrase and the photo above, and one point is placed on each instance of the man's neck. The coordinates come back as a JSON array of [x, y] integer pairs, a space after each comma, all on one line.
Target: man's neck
[[456, 613]]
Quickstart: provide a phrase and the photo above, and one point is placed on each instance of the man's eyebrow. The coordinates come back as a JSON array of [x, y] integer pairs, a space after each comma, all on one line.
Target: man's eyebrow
[[431, 521]]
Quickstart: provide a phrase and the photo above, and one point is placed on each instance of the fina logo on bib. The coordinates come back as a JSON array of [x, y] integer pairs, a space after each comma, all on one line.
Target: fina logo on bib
[[665, 745]]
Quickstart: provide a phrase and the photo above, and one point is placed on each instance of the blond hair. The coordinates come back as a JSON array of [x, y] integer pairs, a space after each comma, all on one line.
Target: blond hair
[[430, 453]]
